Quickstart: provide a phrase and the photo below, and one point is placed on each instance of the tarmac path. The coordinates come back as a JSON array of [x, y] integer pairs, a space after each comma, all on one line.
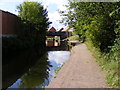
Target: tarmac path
[[80, 71]]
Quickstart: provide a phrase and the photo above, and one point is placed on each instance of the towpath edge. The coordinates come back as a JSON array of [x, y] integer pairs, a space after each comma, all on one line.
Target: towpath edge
[[80, 71]]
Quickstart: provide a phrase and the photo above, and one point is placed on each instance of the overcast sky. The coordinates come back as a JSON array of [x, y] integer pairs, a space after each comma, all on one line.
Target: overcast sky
[[52, 7]]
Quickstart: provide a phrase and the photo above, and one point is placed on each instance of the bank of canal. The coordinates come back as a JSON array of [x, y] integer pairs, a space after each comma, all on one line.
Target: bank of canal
[[56, 59], [30, 70]]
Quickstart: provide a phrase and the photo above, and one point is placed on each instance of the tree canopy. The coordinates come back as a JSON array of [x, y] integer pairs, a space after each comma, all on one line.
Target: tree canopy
[[98, 25], [35, 16], [93, 21]]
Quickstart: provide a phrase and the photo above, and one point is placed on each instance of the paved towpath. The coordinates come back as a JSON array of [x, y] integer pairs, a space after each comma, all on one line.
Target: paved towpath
[[80, 71]]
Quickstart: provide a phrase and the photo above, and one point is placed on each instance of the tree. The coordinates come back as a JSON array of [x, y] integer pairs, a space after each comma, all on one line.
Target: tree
[[98, 23], [36, 74], [37, 15], [92, 22]]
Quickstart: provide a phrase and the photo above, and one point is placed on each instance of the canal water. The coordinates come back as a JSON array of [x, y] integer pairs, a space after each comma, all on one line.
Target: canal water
[[30, 70]]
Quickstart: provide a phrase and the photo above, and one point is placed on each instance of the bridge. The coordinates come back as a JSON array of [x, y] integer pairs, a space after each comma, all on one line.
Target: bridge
[[62, 35]]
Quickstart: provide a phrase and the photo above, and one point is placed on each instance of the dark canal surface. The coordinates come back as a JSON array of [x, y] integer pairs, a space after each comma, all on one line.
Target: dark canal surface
[[34, 68]]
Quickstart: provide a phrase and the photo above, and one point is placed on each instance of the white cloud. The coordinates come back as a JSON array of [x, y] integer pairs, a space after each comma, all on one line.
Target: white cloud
[[54, 17], [58, 56], [53, 14], [2, 4], [57, 2], [11, 0]]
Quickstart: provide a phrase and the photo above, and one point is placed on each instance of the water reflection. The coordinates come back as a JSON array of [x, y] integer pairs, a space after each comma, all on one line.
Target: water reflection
[[33, 68], [36, 75], [43, 71], [19, 64], [63, 46], [57, 59]]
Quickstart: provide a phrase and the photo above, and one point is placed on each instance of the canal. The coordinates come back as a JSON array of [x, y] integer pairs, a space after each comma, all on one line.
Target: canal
[[34, 68]]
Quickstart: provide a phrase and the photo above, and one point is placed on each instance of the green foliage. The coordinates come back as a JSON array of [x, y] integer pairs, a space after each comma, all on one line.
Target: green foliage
[[32, 27], [99, 24], [92, 22], [36, 75], [108, 64], [37, 15], [115, 14]]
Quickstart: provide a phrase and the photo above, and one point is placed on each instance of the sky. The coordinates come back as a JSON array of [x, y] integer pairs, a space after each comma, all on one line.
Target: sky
[[59, 57], [52, 6]]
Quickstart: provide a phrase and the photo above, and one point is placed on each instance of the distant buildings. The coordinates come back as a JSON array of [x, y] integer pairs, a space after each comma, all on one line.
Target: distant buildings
[[62, 33], [69, 29], [61, 29], [52, 29]]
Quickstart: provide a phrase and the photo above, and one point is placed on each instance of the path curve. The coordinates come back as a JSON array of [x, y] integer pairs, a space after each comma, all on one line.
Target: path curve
[[80, 71]]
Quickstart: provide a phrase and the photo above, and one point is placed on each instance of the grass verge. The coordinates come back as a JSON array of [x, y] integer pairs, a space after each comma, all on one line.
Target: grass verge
[[108, 65]]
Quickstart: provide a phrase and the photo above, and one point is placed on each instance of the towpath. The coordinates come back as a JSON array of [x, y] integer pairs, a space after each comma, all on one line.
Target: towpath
[[80, 71]]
